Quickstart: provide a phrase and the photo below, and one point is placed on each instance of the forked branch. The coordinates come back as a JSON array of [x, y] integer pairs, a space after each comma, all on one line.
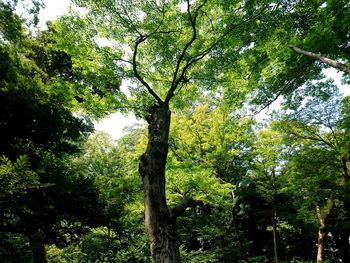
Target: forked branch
[[322, 217], [178, 77], [192, 17]]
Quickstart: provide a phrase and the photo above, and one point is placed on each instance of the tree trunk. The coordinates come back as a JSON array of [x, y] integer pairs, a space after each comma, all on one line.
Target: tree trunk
[[160, 225], [36, 241], [345, 169], [322, 234], [323, 228], [274, 228]]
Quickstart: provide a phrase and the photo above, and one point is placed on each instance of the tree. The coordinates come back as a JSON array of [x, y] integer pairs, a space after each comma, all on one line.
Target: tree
[[173, 51], [208, 150], [39, 136], [175, 47], [320, 162], [113, 170], [269, 156]]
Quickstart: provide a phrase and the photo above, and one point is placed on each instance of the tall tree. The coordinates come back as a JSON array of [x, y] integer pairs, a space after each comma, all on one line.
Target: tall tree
[[171, 47], [173, 51], [269, 156]]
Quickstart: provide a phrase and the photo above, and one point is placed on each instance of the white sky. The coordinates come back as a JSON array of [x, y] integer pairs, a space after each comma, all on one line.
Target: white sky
[[53, 9], [115, 123]]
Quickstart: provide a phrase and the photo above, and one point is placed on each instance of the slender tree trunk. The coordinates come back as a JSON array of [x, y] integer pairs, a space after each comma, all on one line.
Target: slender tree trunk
[[274, 216], [36, 241], [345, 169], [274, 228], [160, 224]]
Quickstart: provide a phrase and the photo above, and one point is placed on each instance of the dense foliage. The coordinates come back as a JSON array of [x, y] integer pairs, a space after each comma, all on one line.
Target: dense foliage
[[230, 184]]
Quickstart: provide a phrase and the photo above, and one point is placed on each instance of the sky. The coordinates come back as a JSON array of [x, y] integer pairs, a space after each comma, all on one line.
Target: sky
[[53, 9], [115, 123]]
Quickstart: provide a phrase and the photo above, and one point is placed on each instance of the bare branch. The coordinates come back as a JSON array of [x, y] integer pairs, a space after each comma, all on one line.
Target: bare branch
[[328, 61]]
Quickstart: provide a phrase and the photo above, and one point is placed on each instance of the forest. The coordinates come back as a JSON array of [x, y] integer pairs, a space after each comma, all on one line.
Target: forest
[[241, 153]]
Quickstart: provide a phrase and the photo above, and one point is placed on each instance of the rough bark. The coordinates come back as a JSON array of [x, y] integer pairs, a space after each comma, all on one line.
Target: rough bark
[[161, 227], [36, 241], [328, 61]]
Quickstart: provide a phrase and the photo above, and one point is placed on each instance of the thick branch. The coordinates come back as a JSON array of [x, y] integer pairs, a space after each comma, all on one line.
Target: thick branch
[[136, 73], [180, 208], [328, 61]]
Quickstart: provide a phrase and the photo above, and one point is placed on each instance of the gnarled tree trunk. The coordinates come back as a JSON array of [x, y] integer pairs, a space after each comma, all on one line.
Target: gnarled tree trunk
[[160, 224]]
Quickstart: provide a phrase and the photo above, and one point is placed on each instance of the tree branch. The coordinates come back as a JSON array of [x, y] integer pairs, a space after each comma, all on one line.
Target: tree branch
[[193, 20], [312, 135], [136, 73], [285, 87], [328, 61], [180, 208], [322, 217], [178, 78]]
